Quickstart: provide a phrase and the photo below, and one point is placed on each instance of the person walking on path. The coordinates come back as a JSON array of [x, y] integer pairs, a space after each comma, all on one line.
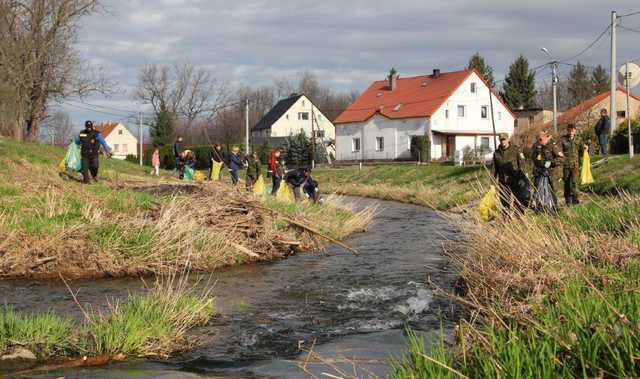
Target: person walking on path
[[235, 162], [603, 128], [254, 170], [276, 176], [217, 161], [508, 164], [155, 161], [177, 153], [545, 157], [90, 141], [573, 148]]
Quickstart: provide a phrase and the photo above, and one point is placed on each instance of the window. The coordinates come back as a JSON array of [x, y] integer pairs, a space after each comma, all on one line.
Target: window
[[461, 111], [473, 87], [287, 116], [116, 147], [319, 117], [446, 113], [303, 103], [303, 116], [499, 115], [484, 144], [319, 133], [621, 114], [379, 143], [120, 132], [124, 148], [484, 111], [355, 145]]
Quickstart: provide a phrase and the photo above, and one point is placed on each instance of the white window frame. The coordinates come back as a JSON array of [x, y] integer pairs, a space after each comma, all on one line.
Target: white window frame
[[355, 142], [474, 87], [116, 147], [446, 113], [464, 111], [302, 115], [484, 112], [379, 143], [488, 140]]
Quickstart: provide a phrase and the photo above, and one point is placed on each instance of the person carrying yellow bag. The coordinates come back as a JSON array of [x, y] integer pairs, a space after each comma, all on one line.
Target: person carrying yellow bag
[[585, 173], [284, 194], [488, 207]]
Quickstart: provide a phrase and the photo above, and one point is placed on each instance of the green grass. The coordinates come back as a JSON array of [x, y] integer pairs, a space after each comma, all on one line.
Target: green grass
[[436, 186], [46, 334], [617, 173], [582, 331]]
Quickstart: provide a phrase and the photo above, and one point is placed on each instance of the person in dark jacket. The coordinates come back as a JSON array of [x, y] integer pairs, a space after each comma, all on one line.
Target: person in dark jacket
[[254, 170], [508, 164], [301, 178], [573, 148], [603, 128], [235, 162], [276, 176], [90, 141], [216, 155], [177, 153], [546, 156]]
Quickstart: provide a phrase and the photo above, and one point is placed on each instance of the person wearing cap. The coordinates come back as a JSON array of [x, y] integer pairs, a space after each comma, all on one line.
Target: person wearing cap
[[603, 128], [573, 148], [90, 141], [545, 156], [508, 165]]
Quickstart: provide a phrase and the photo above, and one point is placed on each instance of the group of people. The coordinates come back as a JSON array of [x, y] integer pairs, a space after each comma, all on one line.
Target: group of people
[[547, 157], [299, 179]]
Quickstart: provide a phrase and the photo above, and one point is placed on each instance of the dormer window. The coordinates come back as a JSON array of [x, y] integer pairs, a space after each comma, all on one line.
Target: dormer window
[[397, 107], [473, 87]]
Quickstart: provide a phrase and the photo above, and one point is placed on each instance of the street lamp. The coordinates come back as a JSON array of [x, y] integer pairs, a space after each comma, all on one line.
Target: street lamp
[[554, 82]]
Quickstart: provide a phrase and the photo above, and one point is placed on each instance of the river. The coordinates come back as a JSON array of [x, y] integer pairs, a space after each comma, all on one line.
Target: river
[[353, 307]]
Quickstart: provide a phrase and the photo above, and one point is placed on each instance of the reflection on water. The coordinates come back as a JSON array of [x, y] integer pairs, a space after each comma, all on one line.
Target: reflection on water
[[268, 311]]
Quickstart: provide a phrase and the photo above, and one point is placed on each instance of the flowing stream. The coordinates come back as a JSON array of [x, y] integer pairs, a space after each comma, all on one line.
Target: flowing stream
[[353, 307]]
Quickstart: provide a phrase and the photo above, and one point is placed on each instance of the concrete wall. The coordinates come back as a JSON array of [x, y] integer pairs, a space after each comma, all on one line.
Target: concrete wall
[[396, 136], [122, 142]]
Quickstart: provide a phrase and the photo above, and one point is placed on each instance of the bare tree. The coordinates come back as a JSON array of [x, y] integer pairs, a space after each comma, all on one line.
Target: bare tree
[[38, 60], [58, 128], [189, 92]]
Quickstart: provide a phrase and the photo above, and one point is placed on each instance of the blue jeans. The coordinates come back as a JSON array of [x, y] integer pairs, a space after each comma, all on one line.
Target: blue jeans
[[603, 140], [234, 176]]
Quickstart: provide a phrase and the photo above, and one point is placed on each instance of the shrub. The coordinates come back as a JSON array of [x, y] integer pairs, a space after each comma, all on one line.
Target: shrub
[[421, 148], [620, 140], [132, 158]]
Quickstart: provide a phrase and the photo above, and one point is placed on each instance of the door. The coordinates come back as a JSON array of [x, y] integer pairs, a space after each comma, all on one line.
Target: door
[[451, 147]]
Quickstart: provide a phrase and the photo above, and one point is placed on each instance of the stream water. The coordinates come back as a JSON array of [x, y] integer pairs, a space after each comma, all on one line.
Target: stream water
[[353, 307]]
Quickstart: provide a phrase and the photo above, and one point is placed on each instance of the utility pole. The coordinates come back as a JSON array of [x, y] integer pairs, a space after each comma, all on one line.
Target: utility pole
[[613, 114], [140, 136], [626, 81], [554, 81], [313, 140], [493, 121], [246, 126]]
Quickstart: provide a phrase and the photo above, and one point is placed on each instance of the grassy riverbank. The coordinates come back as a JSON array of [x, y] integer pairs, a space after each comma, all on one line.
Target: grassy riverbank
[[151, 325], [548, 297], [131, 223], [435, 186]]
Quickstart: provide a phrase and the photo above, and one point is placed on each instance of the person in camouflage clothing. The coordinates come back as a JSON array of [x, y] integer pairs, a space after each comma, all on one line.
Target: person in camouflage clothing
[[254, 170], [545, 156], [508, 164], [572, 149]]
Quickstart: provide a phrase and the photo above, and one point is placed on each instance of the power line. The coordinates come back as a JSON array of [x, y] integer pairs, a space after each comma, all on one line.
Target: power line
[[629, 14], [588, 46], [96, 110], [629, 29], [104, 106]]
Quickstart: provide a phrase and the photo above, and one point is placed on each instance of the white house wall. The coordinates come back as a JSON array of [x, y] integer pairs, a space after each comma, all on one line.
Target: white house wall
[[396, 136], [122, 142], [289, 124]]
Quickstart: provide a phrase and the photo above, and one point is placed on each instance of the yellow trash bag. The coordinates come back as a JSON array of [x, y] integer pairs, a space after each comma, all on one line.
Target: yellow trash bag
[[198, 176], [488, 206], [215, 170], [258, 186], [284, 193], [62, 166], [585, 172]]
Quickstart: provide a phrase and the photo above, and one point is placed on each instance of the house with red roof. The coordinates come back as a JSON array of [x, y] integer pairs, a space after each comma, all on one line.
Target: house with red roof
[[121, 141], [451, 108], [587, 113]]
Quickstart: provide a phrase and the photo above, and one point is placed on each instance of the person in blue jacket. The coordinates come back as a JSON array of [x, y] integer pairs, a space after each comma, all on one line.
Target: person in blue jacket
[[235, 162], [90, 141]]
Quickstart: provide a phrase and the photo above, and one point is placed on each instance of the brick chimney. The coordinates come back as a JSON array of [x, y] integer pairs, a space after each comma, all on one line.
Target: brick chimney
[[436, 73], [393, 79]]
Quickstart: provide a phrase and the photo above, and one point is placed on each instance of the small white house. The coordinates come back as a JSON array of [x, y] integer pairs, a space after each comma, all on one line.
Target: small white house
[[452, 109], [291, 116], [121, 141]]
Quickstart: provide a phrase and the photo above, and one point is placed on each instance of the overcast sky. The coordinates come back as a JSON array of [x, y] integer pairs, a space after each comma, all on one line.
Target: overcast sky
[[347, 44]]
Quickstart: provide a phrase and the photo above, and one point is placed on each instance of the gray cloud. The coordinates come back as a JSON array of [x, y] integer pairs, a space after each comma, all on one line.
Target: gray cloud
[[346, 43]]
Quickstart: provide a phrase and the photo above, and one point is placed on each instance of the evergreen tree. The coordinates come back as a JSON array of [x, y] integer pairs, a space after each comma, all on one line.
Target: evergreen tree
[[599, 80], [579, 84], [298, 150], [519, 89], [477, 62], [163, 130]]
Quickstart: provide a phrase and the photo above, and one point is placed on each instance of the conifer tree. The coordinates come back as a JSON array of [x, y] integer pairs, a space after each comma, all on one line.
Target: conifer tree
[[477, 62], [163, 130], [519, 89], [599, 80], [579, 84]]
